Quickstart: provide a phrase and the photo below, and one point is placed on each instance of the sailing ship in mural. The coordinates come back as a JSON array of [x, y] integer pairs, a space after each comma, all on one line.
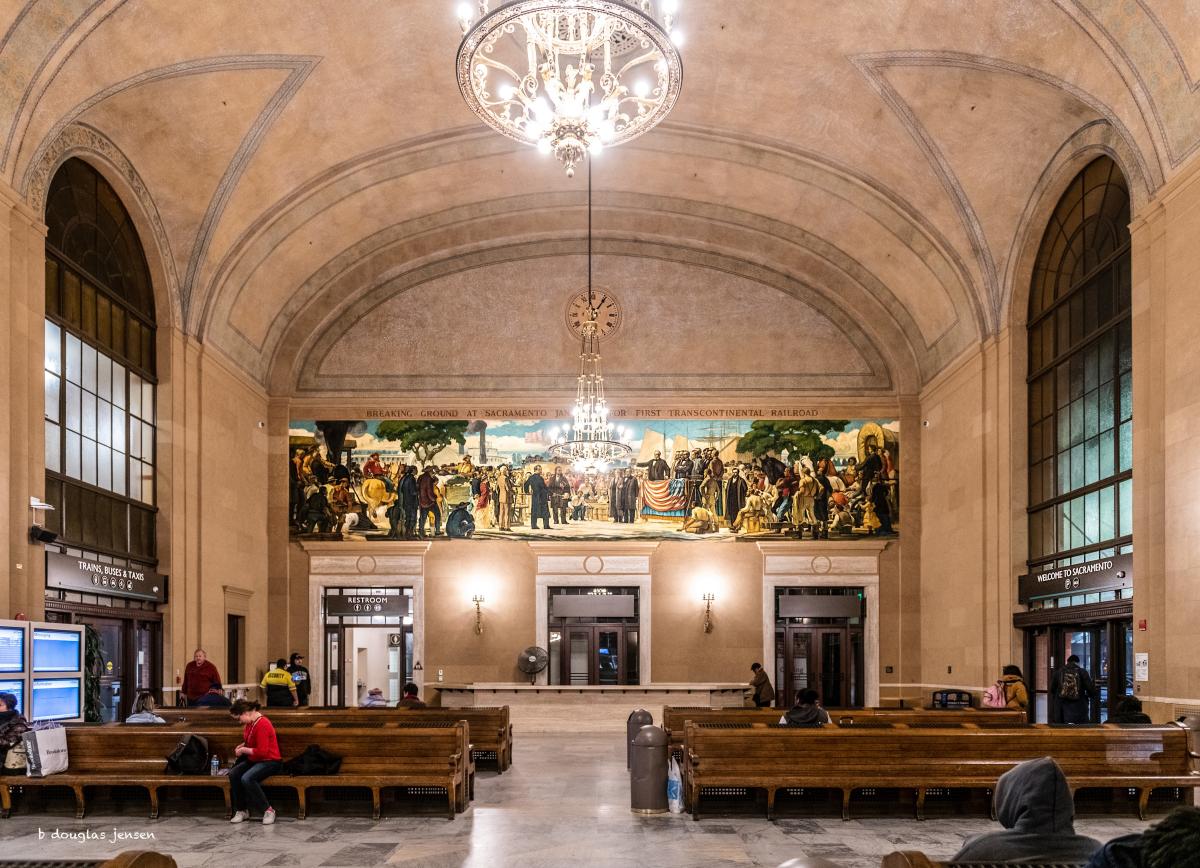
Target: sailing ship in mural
[[491, 478]]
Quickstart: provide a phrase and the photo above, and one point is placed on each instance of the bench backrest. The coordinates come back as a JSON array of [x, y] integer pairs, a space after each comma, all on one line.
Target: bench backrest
[[482, 719], [1155, 750], [674, 717]]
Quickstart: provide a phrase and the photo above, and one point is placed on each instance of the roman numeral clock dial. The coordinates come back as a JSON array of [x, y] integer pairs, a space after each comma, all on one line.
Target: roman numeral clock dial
[[608, 312]]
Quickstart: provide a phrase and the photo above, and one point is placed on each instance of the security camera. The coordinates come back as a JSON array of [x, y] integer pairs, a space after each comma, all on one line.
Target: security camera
[[39, 534], [262, 424]]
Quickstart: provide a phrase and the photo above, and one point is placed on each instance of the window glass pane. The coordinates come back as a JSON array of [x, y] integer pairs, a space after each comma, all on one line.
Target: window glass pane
[[118, 385], [1091, 368], [1064, 473], [1092, 518], [1107, 407], [88, 449], [1078, 468], [89, 369], [88, 311], [74, 360], [1078, 539], [103, 377], [53, 447], [1126, 397], [133, 341], [147, 442], [135, 438], [147, 401], [147, 484], [104, 422], [118, 429], [1107, 454], [88, 428], [1076, 364], [72, 442], [53, 348], [1091, 471], [147, 349], [73, 408], [104, 321], [71, 297], [118, 331], [135, 394], [1108, 513], [1064, 428], [53, 303], [120, 472], [1126, 456], [1062, 388], [1125, 498], [1076, 421], [104, 467], [1106, 357], [53, 384], [1091, 414]]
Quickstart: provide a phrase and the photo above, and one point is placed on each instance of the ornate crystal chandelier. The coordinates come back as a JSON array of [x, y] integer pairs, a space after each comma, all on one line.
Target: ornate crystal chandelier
[[570, 76], [590, 442]]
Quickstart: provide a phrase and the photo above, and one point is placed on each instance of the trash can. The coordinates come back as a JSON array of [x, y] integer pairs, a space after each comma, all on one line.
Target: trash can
[[648, 780], [636, 721]]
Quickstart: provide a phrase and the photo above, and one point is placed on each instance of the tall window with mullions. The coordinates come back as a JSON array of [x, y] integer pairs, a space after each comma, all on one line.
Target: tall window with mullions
[[99, 370], [1080, 376]]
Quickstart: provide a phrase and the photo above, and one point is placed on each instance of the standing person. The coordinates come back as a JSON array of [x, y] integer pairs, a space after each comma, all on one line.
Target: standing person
[[427, 502], [300, 676], [12, 727], [197, 675], [735, 495], [764, 693], [257, 759], [505, 495], [539, 498], [656, 468], [410, 496], [560, 495], [410, 698], [1016, 695], [277, 684], [483, 500], [630, 491], [1073, 689]]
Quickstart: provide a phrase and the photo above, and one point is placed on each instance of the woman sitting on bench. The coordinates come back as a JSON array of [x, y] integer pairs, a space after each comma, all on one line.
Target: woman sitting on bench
[[257, 759]]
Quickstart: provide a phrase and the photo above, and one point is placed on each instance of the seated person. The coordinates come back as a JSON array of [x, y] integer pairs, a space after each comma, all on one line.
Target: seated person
[[215, 698], [410, 698], [1173, 842], [806, 712], [279, 687], [12, 726], [1129, 710], [143, 710], [1034, 805], [373, 699]]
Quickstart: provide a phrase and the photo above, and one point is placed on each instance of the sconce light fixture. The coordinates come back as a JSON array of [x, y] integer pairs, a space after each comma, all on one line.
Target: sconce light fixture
[[708, 601], [478, 600]]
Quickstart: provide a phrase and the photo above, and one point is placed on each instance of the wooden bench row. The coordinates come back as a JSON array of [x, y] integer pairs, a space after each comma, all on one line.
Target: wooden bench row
[[771, 758], [377, 757], [916, 859], [491, 728]]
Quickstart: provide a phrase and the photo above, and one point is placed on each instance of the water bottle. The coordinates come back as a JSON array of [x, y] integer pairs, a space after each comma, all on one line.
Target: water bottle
[[214, 765]]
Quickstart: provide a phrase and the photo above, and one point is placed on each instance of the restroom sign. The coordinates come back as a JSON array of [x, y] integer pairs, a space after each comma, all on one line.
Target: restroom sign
[[389, 605]]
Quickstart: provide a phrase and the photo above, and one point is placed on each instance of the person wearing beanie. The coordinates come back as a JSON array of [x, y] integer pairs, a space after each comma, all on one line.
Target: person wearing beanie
[[12, 727], [373, 699], [300, 676]]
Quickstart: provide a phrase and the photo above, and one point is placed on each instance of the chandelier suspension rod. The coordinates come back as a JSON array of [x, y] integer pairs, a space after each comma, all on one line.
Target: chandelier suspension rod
[[589, 165]]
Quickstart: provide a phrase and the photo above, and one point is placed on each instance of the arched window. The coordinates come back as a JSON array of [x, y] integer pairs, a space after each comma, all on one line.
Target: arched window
[[1080, 376], [100, 370]]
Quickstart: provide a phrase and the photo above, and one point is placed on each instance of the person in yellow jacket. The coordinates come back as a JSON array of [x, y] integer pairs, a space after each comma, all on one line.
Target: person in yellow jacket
[[279, 687], [1014, 687]]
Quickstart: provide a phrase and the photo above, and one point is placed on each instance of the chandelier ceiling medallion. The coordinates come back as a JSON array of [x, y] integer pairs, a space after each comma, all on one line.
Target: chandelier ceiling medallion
[[590, 442], [570, 76]]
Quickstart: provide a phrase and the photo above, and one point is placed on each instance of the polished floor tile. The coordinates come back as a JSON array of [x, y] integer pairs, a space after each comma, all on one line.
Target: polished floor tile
[[565, 802]]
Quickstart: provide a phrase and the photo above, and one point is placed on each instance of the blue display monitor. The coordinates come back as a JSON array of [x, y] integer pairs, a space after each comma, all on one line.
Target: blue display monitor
[[56, 650], [17, 689], [12, 649], [56, 698]]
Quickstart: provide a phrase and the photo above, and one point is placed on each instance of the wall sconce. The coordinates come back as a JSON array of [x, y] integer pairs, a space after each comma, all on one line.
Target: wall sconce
[[478, 600], [708, 601]]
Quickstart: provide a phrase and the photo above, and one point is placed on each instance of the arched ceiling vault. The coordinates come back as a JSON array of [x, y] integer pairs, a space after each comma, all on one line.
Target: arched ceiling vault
[[873, 170]]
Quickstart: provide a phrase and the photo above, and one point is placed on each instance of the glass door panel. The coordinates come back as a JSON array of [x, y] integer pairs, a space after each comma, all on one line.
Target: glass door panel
[[832, 668], [632, 672], [112, 657], [579, 657], [333, 666], [1100, 673], [801, 648], [608, 657]]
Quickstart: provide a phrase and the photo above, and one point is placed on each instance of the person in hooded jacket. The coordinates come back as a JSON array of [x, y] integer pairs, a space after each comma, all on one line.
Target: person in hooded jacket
[[1173, 842], [1034, 805], [12, 726], [1015, 692], [806, 712]]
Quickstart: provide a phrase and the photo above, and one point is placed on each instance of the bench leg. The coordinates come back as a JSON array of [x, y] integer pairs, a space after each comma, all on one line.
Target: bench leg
[[771, 803], [5, 801], [1143, 801], [846, 803], [228, 799], [460, 800], [920, 803], [153, 791], [79, 806], [375, 803], [695, 800], [302, 799], [452, 796]]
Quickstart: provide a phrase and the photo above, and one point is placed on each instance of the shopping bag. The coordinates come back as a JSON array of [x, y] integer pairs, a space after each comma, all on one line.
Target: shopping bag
[[674, 787], [45, 751]]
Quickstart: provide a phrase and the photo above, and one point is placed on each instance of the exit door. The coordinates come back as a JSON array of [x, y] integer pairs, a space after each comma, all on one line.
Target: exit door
[[825, 659], [598, 655]]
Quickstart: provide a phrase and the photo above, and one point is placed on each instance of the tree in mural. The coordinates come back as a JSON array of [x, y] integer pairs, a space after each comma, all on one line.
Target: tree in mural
[[423, 439], [796, 436]]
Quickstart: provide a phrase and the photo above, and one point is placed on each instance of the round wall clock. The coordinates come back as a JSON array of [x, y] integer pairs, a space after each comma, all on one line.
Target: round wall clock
[[608, 312]]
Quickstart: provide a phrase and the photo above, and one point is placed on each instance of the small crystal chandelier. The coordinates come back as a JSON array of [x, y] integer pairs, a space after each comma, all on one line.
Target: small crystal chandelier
[[570, 76], [590, 442]]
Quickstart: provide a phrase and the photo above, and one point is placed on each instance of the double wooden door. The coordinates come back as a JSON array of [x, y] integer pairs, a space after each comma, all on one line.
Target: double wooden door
[[598, 654], [827, 659]]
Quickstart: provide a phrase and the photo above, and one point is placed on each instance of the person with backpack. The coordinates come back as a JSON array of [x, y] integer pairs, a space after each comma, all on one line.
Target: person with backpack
[[258, 758], [1073, 691], [1009, 691]]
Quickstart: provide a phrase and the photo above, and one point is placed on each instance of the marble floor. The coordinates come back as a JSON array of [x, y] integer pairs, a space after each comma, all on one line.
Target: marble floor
[[565, 802]]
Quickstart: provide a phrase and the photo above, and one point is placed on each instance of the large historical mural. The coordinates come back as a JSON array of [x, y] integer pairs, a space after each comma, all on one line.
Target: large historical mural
[[497, 478]]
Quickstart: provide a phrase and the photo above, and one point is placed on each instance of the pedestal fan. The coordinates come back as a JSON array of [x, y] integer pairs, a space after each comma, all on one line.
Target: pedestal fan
[[532, 660]]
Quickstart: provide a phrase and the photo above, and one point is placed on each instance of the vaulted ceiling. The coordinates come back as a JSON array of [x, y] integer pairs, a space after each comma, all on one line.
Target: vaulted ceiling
[[844, 200]]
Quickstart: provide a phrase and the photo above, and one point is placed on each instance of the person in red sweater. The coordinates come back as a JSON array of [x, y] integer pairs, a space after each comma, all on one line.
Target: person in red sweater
[[198, 676], [257, 759]]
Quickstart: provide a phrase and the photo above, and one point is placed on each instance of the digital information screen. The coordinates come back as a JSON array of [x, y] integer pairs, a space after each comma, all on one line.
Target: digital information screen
[[17, 689], [12, 649], [55, 698], [56, 651]]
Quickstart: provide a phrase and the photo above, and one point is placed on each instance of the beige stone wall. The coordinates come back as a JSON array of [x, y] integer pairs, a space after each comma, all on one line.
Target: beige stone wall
[[1166, 463]]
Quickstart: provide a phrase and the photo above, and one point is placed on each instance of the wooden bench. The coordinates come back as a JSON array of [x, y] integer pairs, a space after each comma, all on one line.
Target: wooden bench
[[915, 859], [491, 728], [128, 859], [676, 716], [374, 757], [771, 758]]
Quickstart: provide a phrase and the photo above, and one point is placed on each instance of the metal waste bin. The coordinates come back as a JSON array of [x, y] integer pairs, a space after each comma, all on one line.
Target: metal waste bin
[[636, 721], [648, 779]]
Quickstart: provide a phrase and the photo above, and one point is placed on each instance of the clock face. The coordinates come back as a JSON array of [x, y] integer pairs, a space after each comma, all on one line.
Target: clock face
[[608, 312]]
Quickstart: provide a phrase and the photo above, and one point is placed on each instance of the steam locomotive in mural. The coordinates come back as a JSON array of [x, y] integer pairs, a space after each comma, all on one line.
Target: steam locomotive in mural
[[718, 479]]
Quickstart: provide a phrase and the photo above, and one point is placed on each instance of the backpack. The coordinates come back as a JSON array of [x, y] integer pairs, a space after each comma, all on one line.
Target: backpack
[[190, 756], [1068, 686], [995, 696], [314, 761]]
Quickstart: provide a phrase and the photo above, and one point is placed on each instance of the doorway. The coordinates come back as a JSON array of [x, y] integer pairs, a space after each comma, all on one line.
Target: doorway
[[819, 646], [1105, 651], [368, 643], [594, 636]]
